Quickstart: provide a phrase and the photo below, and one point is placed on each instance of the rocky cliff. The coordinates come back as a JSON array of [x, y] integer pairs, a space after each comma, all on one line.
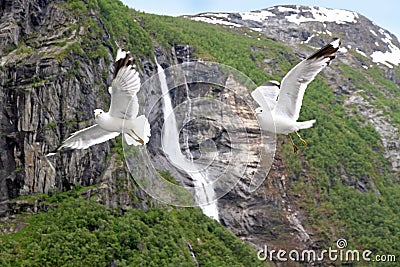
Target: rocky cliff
[[49, 89]]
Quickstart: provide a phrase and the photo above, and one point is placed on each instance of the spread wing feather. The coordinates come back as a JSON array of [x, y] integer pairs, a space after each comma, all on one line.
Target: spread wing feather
[[87, 137], [266, 95], [296, 80], [124, 87]]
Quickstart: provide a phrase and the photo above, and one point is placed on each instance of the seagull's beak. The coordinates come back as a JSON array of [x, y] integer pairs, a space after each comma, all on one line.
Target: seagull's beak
[[96, 115]]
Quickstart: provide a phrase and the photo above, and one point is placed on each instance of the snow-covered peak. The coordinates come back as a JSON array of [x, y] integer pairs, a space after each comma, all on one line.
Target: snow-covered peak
[[296, 24], [302, 14], [292, 14]]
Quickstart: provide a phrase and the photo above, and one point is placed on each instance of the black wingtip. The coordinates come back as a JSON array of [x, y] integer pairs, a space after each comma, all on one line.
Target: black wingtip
[[327, 51], [272, 83], [123, 62]]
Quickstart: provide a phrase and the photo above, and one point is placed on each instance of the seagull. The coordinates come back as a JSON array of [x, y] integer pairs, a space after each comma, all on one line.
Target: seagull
[[122, 116], [280, 104]]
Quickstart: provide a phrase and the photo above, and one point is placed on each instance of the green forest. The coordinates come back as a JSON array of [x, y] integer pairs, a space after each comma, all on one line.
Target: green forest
[[79, 232]]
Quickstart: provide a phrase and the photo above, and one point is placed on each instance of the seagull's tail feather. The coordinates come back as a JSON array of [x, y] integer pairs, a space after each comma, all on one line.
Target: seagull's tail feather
[[140, 134], [305, 124]]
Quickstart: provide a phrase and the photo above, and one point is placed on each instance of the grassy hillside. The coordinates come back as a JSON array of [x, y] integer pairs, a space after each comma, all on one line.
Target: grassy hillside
[[78, 232]]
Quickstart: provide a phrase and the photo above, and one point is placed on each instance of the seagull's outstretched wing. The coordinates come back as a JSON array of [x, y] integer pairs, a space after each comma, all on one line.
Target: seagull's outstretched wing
[[295, 82], [125, 85], [266, 95], [88, 137]]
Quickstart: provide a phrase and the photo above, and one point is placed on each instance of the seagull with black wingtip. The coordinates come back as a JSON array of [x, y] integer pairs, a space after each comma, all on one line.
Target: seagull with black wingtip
[[122, 115], [280, 103]]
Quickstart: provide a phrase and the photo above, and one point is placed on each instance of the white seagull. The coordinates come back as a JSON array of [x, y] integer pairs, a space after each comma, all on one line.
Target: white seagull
[[280, 104], [122, 116]]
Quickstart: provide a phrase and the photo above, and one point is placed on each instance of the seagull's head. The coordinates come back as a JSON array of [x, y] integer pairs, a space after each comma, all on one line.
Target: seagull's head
[[97, 113], [258, 111]]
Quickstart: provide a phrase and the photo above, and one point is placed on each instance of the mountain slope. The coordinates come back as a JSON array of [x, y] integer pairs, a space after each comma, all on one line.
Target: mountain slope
[[302, 24], [365, 46], [349, 164]]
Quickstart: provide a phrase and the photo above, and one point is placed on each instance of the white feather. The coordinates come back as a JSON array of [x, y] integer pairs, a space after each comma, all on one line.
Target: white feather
[[122, 116], [286, 110], [266, 95], [87, 137]]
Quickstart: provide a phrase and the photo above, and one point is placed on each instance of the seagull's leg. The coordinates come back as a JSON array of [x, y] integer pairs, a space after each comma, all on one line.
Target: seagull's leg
[[295, 147], [139, 140], [303, 142]]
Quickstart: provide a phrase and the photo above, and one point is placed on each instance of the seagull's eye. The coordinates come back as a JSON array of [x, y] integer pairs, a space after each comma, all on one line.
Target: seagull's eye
[[261, 110]]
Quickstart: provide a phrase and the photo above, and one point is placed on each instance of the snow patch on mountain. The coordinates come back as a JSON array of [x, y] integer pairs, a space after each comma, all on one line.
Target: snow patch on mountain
[[373, 32], [388, 58], [391, 56], [343, 49], [218, 15], [361, 52], [214, 20], [259, 16], [319, 14]]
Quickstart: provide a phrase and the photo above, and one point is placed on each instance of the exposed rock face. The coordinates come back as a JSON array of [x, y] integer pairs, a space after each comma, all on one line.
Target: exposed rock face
[[268, 215], [47, 93], [43, 103], [260, 216], [381, 122]]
